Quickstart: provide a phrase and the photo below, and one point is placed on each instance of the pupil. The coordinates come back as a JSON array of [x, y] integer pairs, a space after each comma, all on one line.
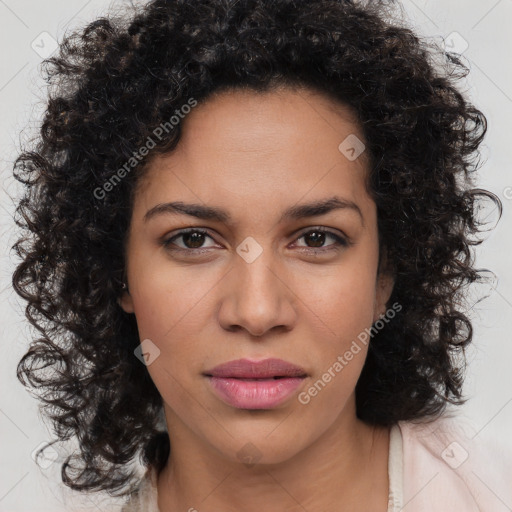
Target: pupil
[[316, 240], [197, 238]]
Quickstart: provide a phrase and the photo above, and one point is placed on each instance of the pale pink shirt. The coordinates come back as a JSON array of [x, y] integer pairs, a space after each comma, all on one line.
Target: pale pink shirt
[[433, 467]]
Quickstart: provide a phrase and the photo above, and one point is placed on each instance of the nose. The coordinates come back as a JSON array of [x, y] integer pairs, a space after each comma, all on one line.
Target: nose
[[257, 297]]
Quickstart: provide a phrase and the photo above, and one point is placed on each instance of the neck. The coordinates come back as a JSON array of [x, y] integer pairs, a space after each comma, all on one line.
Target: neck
[[344, 469]]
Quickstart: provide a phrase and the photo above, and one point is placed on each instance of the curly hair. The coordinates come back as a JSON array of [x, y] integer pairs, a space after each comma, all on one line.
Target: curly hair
[[115, 80]]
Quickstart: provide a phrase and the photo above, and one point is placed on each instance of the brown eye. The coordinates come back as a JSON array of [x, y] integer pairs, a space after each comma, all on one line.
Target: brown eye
[[315, 238], [192, 239]]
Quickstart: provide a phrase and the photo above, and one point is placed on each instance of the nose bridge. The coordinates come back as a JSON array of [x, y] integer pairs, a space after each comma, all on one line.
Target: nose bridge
[[259, 299], [259, 276]]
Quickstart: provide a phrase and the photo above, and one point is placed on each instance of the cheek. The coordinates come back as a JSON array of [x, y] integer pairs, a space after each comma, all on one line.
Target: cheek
[[170, 322], [339, 368], [343, 299], [339, 308], [168, 298], [329, 391]]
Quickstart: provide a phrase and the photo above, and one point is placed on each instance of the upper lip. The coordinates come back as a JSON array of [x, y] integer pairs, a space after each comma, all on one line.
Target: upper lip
[[247, 369]]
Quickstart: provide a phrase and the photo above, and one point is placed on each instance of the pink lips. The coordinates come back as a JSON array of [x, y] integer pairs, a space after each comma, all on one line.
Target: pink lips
[[247, 384]]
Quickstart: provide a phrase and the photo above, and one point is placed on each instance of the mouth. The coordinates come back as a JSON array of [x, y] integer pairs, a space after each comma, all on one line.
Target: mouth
[[249, 384], [255, 379], [271, 368], [255, 394]]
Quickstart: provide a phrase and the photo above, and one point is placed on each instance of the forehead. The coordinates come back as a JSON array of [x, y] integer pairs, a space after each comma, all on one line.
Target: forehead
[[255, 150], [268, 121]]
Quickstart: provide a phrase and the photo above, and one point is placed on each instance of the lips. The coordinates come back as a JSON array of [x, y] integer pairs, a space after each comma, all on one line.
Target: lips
[[265, 369], [246, 384]]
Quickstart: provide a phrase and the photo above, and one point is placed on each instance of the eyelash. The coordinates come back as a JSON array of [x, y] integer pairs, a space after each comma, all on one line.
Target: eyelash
[[339, 241]]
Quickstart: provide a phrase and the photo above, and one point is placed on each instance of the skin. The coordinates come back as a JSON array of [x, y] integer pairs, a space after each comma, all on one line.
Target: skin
[[254, 155]]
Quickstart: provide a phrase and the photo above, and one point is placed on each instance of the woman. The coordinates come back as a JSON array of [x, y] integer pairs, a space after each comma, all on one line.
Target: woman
[[248, 235]]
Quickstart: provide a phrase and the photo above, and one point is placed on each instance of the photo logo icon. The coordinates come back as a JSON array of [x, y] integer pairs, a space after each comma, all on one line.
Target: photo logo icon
[[44, 45], [455, 43], [147, 352], [249, 249], [454, 455], [352, 147], [249, 455]]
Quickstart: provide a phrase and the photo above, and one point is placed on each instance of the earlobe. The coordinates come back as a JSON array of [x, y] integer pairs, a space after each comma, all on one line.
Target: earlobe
[[384, 288], [386, 283], [383, 292], [126, 302]]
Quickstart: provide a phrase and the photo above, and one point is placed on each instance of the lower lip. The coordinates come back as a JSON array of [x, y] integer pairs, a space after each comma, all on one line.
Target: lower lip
[[254, 394]]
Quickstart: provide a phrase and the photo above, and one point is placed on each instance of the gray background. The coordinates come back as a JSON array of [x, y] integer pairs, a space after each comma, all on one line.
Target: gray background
[[478, 29]]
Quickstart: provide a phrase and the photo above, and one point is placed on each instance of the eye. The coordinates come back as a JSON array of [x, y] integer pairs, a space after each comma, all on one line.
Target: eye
[[318, 235], [192, 238]]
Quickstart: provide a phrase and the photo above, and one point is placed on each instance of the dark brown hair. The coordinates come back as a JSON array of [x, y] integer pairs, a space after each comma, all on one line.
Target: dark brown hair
[[115, 81]]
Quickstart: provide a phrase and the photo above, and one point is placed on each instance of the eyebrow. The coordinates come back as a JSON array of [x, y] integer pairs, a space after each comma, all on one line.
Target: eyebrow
[[315, 208]]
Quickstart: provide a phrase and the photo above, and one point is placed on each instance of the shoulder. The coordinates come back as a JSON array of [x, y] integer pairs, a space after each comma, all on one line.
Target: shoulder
[[448, 466], [145, 498]]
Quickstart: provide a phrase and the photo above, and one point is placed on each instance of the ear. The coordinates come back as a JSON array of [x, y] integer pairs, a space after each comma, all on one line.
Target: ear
[[385, 284], [384, 288], [126, 302]]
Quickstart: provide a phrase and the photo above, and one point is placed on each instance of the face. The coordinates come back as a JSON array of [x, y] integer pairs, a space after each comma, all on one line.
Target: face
[[263, 277]]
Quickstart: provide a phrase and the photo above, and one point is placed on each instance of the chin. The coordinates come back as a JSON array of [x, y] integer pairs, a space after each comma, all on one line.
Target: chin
[[260, 448]]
